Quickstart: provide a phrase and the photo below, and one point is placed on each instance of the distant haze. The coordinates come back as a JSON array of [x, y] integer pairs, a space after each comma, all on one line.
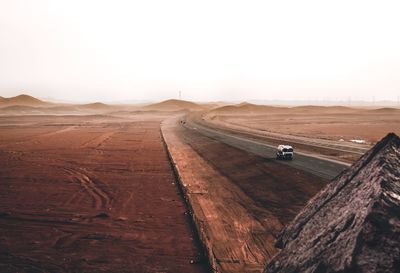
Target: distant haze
[[209, 50]]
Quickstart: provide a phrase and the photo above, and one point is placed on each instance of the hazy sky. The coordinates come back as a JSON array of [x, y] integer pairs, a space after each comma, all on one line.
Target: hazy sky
[[210, 50]]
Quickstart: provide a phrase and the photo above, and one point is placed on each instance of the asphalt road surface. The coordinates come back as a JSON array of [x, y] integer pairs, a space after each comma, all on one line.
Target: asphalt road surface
[[322, 167]]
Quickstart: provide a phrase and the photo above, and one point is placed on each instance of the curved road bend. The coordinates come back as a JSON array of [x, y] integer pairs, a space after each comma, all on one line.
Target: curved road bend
[[322, 167]]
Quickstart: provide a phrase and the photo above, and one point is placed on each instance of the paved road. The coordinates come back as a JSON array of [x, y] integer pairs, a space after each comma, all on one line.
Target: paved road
[[319, 166]]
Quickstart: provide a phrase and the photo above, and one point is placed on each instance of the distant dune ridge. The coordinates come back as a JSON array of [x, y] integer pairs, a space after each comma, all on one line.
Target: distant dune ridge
[[353, 224], [174, 105], [24, 100], [246, 107], [316, 108], [260, 109], [249, 108], [21, 104], [96, 106], [25, 104], [386, 110]]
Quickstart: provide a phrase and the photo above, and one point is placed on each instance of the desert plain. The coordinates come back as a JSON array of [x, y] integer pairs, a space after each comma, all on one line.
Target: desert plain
[[100, 188], [91, 194]]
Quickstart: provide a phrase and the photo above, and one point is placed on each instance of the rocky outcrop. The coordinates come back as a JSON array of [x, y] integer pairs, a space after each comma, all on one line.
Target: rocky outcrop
[[353, 224]]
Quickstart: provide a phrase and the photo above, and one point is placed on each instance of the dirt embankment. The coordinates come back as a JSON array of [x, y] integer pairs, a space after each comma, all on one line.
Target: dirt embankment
[[91, 194], [239, 201]]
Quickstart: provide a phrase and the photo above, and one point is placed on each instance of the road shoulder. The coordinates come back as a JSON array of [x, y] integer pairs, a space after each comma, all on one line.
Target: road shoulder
[[234, 240]]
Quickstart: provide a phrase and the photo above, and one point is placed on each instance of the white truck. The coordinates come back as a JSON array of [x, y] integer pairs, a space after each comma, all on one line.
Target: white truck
[[285, 152]]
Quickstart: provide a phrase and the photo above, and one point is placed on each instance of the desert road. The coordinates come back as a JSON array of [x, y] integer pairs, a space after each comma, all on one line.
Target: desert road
[[322, 167]]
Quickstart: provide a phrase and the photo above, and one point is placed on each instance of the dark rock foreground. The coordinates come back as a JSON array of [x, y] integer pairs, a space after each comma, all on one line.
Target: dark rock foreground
[[353, 224]]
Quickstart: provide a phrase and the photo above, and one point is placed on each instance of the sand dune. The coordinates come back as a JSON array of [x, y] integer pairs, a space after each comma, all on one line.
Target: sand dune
[[315, 108], [96, 106], [25, 104], [174, 105], [248, 108], [24, 100], [254, 108], [386, 110]]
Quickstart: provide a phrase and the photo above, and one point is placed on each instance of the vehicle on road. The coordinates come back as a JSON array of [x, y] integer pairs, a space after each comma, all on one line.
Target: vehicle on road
[[285, 152]]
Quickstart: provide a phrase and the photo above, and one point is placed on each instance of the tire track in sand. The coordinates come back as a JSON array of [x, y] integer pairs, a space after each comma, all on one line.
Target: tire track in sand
[[97, 141], [101, 199]]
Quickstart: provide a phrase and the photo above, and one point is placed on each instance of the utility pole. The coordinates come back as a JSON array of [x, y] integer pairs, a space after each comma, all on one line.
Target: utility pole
[[180, 94]]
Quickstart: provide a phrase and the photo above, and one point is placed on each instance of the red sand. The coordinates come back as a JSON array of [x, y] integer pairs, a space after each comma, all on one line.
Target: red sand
[[90, 194]]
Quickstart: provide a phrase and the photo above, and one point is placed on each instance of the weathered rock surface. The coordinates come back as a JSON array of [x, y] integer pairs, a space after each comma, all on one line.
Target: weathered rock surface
[[353, 224]]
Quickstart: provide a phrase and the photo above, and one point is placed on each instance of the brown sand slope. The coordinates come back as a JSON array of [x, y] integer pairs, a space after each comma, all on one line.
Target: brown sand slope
[[247, 108], [174, 105], [24, 100], [90, 194], [353, 224], [240, 201], [98, 106], [19, 109], [386, 110], [323, 109]]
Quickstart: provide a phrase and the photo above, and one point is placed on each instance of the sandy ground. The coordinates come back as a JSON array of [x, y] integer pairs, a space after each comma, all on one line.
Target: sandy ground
[[326, 131], [334, 124], [240, 200], [345, 152], [90, 194], [96, 193]]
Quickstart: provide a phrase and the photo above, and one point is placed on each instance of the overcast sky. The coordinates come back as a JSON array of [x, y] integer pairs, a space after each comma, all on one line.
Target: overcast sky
[[210, 50]]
